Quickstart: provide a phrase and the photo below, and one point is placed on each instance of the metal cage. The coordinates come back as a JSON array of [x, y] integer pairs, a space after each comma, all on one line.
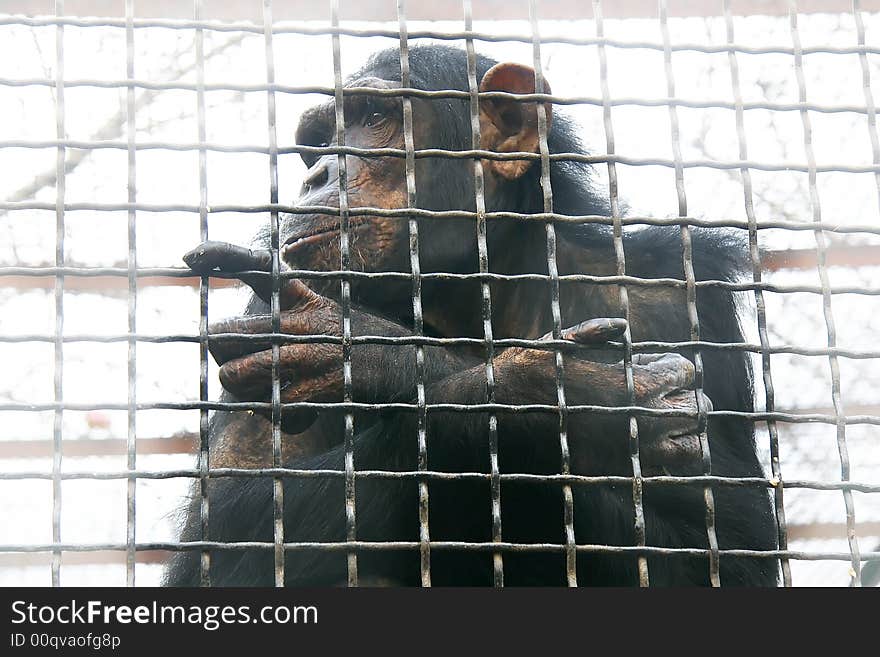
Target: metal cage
[[842, 249]]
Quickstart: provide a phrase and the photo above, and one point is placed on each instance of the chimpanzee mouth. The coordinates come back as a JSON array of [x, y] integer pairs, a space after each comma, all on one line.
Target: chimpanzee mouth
[[318, 235]]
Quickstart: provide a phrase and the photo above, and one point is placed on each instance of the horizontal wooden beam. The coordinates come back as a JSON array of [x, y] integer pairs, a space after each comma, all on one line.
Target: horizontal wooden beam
[[182, 443], [861, 255]]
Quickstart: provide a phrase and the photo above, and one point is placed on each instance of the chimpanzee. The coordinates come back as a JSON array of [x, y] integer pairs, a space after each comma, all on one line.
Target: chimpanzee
[[459, 509]]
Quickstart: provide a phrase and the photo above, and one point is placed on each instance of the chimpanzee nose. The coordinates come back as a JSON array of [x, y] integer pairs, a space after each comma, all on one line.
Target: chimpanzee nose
[[318, 175]]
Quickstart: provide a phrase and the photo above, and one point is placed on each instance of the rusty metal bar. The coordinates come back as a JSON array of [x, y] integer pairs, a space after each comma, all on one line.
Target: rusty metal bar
[[758, 267], [345, 294], [827, 311], [204, 462], [623, 295], [418, 320]]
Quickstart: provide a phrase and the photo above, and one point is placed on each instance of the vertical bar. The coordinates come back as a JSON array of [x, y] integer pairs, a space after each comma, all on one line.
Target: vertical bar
[[60, 188], [486, 309], [204, 462], [131, 438], [418, 323], [691, 289], [821, 247], [620, 258], [757, 273], [869, 94], [275, 306], [345, 265], [553, 270]]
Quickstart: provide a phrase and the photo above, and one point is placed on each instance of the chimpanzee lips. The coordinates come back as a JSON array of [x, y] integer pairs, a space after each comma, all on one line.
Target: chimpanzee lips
[[316, 235]]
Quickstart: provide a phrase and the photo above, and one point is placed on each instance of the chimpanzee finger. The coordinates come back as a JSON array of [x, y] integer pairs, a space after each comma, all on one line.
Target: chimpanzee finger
[[292, 293], [227, 257], [596, 331], [231, 258], [295, 293], [308, 372], [668, 369]]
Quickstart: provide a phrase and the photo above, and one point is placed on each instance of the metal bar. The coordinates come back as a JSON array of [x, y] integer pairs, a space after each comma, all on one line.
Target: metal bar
[[459, 546], [635, 101], [275, 304], [286, 338], [815, 205], [866, 86], [485, 297], [693, 317], [306, 29], [486, 155], [555, 310], [109, 557], [58, 384], [620, 260], [761, 310], [578, 480], [418, 321], [469, 155], [131, 441], [85, 280], [815, 418], [204, 462], [345, 265]]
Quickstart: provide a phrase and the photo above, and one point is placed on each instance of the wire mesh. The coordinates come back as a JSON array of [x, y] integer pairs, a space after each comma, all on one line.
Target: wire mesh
[[64, 274]]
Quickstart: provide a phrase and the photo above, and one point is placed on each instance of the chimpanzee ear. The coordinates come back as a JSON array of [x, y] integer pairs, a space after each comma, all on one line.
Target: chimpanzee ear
[[507, 125]]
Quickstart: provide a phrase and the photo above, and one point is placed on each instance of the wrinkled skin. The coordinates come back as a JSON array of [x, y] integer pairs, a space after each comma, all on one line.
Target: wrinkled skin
[[529, 442]]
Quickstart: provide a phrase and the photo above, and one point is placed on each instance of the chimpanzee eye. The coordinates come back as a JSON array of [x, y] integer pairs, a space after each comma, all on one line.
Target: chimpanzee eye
[[374, 119]]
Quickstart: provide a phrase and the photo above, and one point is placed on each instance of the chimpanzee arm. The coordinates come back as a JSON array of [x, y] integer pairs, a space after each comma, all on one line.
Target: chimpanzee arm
[[381, 372], [387, 508]]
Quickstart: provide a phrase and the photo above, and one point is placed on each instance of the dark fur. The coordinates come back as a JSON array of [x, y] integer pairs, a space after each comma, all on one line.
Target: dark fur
[[241, 509]]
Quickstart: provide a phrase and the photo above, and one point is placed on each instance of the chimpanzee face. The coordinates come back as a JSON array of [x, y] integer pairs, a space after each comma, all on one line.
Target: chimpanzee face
[[313, 241]]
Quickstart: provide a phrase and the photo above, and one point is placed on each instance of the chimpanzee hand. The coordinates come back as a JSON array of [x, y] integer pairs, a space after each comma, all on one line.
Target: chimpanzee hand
[[306, 371], [661, 381], [313, 372]]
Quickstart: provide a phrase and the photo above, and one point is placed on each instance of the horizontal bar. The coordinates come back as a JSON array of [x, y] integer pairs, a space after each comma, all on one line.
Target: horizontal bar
[[185, 443], [39, 278], [110, 557], [378, 546], [500, 9], [453, 408], [606, 480], [396, 92], [407, 213], [648, 346], [524, 155]]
